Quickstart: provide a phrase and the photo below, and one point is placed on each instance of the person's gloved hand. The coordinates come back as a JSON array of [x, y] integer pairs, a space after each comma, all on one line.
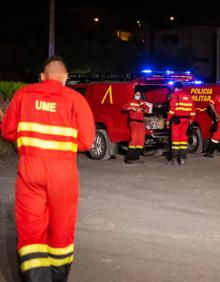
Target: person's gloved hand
[[167, 123]]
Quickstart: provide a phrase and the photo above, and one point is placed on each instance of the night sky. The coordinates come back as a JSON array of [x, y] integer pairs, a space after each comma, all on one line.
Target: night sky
[[24, 25]]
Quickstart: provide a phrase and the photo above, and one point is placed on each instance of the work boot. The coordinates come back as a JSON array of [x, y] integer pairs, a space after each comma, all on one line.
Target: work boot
[[131, 155], [208, 155], [113, 157], [174, 162], [182, 161], [210, 150], [137, 161]]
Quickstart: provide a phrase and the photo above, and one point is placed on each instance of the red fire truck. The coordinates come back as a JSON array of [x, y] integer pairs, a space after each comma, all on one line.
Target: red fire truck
[[107, 95]]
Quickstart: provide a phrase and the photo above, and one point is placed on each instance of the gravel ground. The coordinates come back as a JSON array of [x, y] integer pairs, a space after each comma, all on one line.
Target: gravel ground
[[150, 222]]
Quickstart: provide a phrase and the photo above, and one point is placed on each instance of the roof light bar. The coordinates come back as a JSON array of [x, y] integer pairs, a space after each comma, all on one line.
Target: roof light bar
[[170, 75], [169, 71], [146, 71]]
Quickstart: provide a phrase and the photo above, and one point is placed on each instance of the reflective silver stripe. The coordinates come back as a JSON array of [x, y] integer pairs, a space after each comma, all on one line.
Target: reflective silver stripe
[[47, 144], [214, 141], [47, 129]]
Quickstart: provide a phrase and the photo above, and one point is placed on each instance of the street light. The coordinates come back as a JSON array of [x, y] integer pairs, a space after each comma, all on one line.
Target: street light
[[138, 23], [96, 20]]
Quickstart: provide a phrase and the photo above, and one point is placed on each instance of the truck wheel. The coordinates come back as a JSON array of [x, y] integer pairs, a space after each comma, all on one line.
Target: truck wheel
[[100, 148], [195, 141]]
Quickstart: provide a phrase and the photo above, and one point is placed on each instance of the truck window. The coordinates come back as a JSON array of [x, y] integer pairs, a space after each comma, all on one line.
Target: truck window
[[158, 95], [155, 93]]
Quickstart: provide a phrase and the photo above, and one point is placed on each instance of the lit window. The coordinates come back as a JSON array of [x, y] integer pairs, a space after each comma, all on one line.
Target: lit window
[[123, 35]]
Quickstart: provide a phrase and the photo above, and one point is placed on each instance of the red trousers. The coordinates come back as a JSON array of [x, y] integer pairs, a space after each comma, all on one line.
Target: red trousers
[[179, 138], [46, 213], [137, 135], [216, 134]]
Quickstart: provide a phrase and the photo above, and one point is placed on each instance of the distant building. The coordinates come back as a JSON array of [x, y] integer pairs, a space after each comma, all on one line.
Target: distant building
[[193, 47]]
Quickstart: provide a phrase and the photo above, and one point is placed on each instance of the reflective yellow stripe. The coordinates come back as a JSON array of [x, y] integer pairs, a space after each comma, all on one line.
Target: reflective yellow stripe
[[215, 141], [200, 109], [43, 248], [134, 104], [176, 147], [192, 114], [60, 262], [182, 142], [34, 263], [47, 129], [179, 147], [61, 251], [47, 144], [183, 104], [183, 109], [171, 112], [34, 248]]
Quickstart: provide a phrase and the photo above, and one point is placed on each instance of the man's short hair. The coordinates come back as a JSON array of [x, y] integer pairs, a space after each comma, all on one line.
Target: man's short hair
[[54, 58], [178, 85]]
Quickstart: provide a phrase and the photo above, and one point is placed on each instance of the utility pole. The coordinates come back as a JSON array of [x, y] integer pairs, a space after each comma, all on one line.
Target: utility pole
[[51, 49]]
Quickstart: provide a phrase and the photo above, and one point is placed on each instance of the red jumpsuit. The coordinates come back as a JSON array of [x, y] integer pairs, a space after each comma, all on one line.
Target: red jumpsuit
[[137, 128], [182, 106], [216, 135], [50, 123]]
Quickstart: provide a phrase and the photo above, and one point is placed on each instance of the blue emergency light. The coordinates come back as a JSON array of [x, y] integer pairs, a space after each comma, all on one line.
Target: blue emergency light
[[171, 76], [169, 72], [146, 71], [198, 82]]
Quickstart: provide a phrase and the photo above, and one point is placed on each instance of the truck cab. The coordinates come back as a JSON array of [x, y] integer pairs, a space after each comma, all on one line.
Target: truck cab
[[107, 97]]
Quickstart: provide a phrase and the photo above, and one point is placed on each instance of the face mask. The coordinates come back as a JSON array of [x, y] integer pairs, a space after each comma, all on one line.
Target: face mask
[[136, 97]]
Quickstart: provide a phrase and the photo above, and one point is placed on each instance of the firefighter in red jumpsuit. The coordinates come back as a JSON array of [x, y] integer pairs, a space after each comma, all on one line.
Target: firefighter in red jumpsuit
[[50, 123], [181, 113], [136, 109], [214, 141]]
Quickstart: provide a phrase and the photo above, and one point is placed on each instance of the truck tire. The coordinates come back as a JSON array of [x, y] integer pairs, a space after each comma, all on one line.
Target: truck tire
[[101, 146], [195, 144]]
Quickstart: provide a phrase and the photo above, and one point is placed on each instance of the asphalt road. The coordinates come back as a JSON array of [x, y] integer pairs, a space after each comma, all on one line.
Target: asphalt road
[[150, 222]]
